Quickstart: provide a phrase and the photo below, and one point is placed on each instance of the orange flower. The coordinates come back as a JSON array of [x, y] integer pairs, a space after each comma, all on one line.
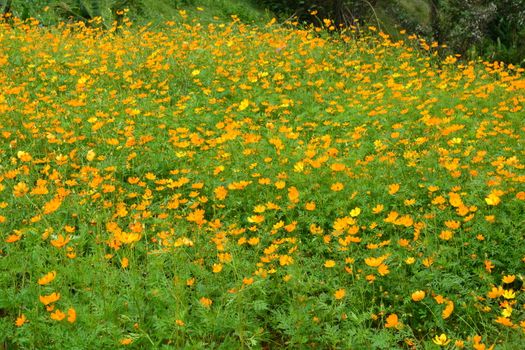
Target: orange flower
[[206, 302], [337, 167], [20, 189], [20, 320], [13, 238], [58, 315], [375, 262], [455, 200], [489, 266], [285, 260], [509, 279], [446, 235], [71, 315], [378, 208], [392, 321], [383, 270], [48, 278], [428, 261], [220, 193], [418, 295], [340, 293], [496, 292], [448, 310], [310, 206], [197, 216], [504, 321], [393, 188], [60, 242], [293, 194], [126, 341], [336, 187], [48, 299], [52, 205]]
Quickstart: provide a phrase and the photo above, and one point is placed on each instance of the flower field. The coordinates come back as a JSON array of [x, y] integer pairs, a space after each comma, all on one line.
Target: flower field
[[223, 185]]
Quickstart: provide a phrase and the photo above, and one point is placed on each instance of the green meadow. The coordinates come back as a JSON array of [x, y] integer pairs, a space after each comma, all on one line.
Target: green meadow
[[219, 184]]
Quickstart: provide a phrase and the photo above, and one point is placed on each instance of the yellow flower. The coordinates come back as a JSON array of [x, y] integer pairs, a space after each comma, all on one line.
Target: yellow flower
[[507, 311], [90, 155], [355, 212], [509, 294], [418, 295], [217, 268], [20, 189], [329, 263], [441, 340], [492, 199], [244, 104], [509, 279]]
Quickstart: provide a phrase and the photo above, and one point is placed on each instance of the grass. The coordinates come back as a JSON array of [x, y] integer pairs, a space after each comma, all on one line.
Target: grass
[[225, 185], [51, 12]]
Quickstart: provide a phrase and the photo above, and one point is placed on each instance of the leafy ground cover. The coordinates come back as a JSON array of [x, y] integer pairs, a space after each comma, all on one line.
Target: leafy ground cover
[[236, 186]]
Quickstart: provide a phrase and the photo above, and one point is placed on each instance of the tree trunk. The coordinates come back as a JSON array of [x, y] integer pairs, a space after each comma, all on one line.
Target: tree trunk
[[434, 20]]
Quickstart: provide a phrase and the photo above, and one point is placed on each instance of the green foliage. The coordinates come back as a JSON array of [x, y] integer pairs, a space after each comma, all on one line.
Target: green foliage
[[50, 12], [341, 12], [492, 29]]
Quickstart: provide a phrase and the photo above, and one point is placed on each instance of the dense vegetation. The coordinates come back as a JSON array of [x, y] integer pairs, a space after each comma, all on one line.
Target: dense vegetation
[[492, 29], [49, 12], [200, 182]]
